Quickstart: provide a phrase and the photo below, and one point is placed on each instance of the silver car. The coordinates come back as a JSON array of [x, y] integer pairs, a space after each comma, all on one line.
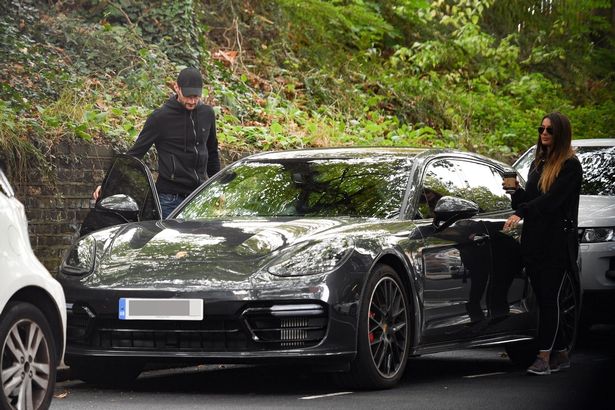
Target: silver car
[[596, 225]]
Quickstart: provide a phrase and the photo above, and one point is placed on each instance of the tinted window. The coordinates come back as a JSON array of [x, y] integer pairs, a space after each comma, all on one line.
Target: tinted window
[[361, 187], [441, 178], [128, 176], [598, 170], [464, 179], [483, 185]]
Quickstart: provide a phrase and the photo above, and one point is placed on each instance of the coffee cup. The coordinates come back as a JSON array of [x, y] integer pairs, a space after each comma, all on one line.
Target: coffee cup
[[510, 181]]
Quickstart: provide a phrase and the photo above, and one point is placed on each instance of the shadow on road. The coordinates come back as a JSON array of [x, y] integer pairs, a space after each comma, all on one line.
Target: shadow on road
[[473, 371]]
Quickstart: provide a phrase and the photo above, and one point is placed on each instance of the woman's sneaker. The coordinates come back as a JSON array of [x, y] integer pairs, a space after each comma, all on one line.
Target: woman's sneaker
[[559, 361], [540, 367]]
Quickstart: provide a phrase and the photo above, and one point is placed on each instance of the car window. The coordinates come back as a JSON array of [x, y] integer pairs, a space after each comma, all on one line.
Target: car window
[[359, 187], [476, 182], [5, 187], [484, 186], [128, 175], [441, 178], [598, 170], [523, 164]]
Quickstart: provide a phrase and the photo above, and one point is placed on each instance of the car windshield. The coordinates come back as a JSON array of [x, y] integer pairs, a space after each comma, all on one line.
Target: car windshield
[[357, 187], [598, 170]]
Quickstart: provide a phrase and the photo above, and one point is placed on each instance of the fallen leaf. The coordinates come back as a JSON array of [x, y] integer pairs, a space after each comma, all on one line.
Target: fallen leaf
[[227, 57]]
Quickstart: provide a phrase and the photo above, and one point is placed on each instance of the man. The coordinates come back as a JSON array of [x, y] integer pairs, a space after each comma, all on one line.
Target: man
[[184, 133]]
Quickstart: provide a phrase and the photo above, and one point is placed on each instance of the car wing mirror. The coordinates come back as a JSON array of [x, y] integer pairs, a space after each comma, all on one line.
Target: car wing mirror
[[118, 203], [450, 209]]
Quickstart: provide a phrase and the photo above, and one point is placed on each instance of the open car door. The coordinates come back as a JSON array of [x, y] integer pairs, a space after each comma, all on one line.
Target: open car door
[[128, 194]]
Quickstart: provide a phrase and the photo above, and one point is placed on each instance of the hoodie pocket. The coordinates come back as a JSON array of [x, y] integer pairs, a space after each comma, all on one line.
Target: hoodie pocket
[[172, 167]]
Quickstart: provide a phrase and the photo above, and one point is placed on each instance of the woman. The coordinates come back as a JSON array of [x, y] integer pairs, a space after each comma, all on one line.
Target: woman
[[549, 243]]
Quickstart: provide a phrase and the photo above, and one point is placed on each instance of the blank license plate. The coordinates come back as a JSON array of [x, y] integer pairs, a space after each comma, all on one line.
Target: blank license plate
[[160, 309]]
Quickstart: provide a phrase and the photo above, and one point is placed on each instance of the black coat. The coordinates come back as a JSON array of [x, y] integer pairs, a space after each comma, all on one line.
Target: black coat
[[186, 143], [549, 235]]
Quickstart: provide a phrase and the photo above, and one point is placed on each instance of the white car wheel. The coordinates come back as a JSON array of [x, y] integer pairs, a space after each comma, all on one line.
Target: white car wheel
[[28, 360]]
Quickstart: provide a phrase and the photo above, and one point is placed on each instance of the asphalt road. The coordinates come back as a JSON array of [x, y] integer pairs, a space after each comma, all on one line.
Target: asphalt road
[[468, 379]]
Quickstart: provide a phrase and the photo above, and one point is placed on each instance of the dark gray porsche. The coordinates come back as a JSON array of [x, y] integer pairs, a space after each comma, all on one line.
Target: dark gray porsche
[[350, 260]]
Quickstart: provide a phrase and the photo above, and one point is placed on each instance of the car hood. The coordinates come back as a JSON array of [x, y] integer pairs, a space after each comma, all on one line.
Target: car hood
[[176, 254], [596, 211]]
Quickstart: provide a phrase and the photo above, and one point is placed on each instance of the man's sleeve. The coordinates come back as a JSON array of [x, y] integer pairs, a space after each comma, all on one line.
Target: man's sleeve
[[147, 137], [213, 161]]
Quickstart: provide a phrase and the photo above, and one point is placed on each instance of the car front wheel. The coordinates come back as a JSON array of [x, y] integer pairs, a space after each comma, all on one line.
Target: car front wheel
[[383, 334], [28, 361]]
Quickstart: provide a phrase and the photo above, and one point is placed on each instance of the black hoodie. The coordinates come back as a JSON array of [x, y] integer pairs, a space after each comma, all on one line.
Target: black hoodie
[[186, 143]]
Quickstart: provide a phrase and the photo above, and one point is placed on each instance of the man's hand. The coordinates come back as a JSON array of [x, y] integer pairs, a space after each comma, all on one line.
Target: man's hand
[[96, 193]]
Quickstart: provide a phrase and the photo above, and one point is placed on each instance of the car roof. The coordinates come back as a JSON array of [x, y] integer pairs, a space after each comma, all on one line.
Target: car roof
[[339, 152], [420, 154], [594, 142]]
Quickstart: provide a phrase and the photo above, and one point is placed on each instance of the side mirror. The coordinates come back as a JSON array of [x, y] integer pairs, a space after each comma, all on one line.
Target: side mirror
[[118, 203], [450, 209]]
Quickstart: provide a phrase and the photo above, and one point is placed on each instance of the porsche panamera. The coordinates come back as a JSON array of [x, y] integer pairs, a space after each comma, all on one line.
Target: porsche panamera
[[350, 260]]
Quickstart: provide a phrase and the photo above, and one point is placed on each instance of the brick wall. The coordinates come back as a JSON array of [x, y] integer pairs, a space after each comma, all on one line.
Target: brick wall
[[56, 204]]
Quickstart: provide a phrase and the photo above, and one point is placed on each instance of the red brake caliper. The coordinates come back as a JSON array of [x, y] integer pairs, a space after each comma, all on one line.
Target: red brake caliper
[[371, 334]]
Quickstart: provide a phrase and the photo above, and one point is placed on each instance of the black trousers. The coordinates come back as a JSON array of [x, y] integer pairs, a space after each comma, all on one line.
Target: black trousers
[[547, 283]]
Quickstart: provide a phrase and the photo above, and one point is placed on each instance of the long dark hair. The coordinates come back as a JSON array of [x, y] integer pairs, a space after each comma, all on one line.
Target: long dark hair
[[561, 150]]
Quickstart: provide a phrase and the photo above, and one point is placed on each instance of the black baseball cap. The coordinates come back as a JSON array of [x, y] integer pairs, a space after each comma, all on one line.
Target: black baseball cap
[[190, 81]]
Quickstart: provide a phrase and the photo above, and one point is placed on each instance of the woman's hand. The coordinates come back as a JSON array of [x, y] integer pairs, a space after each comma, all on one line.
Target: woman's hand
[[511, 222]]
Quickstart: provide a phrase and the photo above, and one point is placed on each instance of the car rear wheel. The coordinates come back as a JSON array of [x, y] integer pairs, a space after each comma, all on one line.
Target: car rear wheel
[[524, 353], [103, 371], [383, 334], [570, 310], [28, 361]]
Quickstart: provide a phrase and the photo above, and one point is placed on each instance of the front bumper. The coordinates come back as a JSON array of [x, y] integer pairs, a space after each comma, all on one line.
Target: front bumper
[[598, 266], [233, 330]]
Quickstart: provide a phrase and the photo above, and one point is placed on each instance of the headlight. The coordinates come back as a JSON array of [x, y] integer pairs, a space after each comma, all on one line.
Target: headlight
[[591, 235], [312, 258], [80, 258]]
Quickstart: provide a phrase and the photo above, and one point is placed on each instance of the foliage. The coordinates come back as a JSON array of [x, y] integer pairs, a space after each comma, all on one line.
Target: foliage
[[474, 74]]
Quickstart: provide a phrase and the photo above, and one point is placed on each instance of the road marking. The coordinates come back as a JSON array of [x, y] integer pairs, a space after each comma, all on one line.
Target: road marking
[[325, 395], [474, 376]]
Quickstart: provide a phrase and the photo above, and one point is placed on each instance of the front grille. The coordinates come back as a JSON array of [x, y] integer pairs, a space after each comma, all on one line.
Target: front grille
[[176, 336], [258, 328], [287, 326], [209, 335]]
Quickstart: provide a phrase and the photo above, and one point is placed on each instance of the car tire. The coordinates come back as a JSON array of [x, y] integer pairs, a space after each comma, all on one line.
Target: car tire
[[28, 360], [524, 353], [383, 333], [570, 310], [108, 372]]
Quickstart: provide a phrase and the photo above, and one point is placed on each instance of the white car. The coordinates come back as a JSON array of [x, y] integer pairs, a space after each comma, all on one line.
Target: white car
[[596, 225], [33, 314]]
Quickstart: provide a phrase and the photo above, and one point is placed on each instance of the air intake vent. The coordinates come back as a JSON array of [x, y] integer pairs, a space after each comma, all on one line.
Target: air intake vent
[[287, 326]]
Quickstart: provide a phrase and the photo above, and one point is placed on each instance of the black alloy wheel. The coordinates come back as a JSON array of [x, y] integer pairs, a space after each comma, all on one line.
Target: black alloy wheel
[[383, 334], [569, 310], [523, 353], [28, 358]]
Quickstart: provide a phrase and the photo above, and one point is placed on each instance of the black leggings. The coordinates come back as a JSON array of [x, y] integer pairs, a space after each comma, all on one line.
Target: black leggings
[[547, 283]]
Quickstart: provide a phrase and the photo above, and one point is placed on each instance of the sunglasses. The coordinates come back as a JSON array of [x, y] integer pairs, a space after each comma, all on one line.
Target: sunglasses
[[542, 129]]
